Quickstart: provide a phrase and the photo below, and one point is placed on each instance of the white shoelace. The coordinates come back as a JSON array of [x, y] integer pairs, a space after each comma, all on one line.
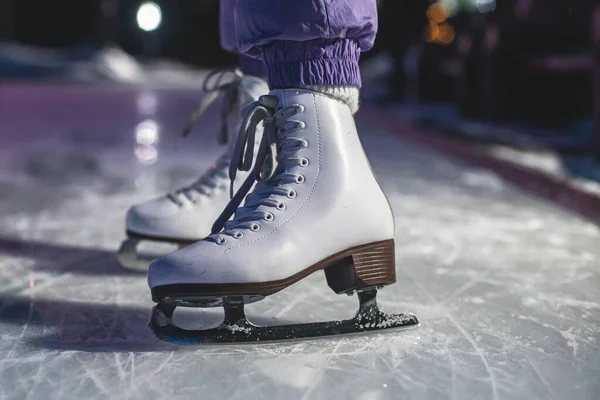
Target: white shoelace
[[226, 82], [214, 85], [276, 154], [214, 178]]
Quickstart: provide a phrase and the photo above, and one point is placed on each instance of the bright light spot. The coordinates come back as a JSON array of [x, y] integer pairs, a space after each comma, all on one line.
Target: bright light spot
[[149, 16], [385, 385], [446, 34], [432, 31], [146, 133], [451, 6], [146, 136], [147, 103], [146, 154], [437, 12], [484, 6], [31, 283]]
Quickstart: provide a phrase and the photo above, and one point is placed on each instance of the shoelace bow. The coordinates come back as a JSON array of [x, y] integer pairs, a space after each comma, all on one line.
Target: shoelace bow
[[272, 160], [213, 86]]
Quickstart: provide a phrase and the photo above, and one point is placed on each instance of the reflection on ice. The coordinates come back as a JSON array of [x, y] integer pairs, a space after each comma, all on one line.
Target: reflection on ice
[[146, 132], [146, 135], [147, 154], [147, 102]]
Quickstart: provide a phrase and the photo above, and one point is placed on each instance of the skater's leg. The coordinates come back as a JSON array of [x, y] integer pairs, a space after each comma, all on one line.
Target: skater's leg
[[227, 33], [322, 187], [308, 44], [252, 66], [311, 201], [228, 38]]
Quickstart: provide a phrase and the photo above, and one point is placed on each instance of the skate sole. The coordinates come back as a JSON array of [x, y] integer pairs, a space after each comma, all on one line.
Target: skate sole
[[142, 236], [370, 265], [237, 329]]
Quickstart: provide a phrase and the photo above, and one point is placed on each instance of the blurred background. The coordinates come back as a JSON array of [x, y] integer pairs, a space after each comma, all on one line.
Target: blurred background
[[519, 72], [468, 108]]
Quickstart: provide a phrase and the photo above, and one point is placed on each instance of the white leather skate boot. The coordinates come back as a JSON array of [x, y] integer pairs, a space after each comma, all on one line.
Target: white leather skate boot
[[317, 205], [187, 214]]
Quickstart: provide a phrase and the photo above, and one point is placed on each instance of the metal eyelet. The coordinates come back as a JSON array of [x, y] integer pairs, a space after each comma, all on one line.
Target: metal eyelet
[[304, 143], [299, 179], [291, 194], [304, 162], [280, 206], [269, 217], [238, 235], [221, 240], [299, 108], [255, 227]]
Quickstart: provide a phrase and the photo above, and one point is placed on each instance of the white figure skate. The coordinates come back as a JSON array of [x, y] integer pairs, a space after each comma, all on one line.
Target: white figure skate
[[316, 206], [186, 215]]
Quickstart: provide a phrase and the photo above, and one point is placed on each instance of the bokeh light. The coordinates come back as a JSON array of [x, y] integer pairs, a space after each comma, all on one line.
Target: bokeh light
[[149, 16], [146, 132], [437, 13], [484, 6], [446, 34], [432, 32]]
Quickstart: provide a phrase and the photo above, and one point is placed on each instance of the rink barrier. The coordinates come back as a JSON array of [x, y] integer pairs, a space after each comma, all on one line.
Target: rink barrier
[[556, 189]]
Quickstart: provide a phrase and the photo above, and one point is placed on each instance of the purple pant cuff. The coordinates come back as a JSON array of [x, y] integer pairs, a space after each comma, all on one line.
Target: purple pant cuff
[[292, 64], [253, 66]]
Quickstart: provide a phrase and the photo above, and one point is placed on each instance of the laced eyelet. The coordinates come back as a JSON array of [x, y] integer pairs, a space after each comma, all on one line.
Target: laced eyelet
[[269, 217], [304, 143], [238, 235], [291, 194], [221, 240], [304, 162], [299, 179], [299, 108], [255, 227], [280, 206]]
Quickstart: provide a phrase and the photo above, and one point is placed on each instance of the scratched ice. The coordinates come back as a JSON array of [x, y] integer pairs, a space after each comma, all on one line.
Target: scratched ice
[[507, 286]]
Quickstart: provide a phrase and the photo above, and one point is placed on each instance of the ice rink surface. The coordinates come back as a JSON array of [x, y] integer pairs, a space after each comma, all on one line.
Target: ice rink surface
[[507, 287]]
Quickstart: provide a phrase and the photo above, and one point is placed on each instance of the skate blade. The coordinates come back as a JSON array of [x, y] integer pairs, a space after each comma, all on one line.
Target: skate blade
[[237, 329], [205, 301], [129, 258]]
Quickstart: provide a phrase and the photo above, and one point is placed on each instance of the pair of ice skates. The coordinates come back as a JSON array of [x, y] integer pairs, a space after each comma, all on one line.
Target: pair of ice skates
[[308, 201]]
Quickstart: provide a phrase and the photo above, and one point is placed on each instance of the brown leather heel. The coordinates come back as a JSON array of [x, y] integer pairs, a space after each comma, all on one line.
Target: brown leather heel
[[371, 265]]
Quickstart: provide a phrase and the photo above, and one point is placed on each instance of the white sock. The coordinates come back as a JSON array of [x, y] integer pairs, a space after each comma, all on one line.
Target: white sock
[[345, 94]]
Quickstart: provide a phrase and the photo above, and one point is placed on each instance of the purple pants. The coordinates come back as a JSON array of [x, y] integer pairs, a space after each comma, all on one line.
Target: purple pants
[[301, 42]]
